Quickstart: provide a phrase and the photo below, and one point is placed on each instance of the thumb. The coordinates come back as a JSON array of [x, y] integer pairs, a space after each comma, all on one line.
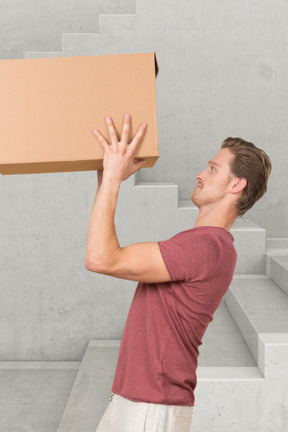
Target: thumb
[[139, 164]]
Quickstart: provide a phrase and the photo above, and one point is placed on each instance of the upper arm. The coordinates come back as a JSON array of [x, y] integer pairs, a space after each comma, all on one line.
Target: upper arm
[[141, 262]]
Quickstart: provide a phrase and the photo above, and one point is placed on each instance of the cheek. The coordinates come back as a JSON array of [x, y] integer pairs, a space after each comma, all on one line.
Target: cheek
[[221, 181], [216, 185]]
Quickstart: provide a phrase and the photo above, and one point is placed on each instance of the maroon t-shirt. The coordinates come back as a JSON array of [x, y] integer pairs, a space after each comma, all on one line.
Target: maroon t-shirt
[[166, 322]]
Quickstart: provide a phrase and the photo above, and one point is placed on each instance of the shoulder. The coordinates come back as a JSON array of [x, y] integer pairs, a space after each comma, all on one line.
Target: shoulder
[[192, 236], [192, 243], [191, 255]]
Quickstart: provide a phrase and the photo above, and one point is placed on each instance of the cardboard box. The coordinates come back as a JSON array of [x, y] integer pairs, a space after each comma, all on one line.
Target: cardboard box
[[50, 106]]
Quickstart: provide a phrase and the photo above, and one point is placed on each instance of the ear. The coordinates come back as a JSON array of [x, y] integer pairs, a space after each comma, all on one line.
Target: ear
[[238, 185]]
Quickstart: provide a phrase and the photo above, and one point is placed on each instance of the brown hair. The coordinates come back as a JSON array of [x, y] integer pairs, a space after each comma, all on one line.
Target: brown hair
[[253, 164]]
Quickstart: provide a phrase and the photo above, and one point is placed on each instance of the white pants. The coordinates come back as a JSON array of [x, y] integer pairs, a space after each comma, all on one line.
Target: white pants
[[123, 415]]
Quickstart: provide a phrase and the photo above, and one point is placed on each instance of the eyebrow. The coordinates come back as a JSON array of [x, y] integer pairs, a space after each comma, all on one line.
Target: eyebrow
[[213, 163]]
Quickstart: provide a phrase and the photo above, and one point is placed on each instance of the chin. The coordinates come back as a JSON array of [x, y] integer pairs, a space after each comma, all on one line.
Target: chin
[[194, 201]]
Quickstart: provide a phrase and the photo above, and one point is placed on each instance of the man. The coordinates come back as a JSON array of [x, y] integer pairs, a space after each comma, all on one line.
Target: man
[[181, 281]]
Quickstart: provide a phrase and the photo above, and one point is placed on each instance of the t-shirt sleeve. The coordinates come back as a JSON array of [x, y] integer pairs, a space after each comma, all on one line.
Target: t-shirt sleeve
[[191, 257]]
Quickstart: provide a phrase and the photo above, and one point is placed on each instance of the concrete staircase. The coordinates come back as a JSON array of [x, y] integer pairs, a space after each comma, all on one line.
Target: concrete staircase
[[242, 369]]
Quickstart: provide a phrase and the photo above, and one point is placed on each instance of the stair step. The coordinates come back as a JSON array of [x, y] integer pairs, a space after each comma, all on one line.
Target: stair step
[[250, 247], [257, 305], [92, 387], [232, 351], [276, 243], [279, 271]]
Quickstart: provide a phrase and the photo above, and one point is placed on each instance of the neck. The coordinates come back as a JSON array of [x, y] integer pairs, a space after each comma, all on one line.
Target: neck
[[211, 216]]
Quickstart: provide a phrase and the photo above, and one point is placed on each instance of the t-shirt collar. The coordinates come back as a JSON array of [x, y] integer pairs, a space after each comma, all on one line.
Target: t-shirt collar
[[212, 229]]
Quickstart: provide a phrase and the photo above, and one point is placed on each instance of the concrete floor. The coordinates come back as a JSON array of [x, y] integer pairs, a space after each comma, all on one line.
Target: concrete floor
[[33, 395]]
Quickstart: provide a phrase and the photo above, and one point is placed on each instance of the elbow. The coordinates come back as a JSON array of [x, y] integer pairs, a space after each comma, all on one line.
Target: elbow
[[107, 263], [91, 265], [95, 266]]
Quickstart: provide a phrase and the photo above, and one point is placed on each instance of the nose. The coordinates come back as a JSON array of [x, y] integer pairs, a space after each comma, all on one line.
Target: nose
[[200, 176]]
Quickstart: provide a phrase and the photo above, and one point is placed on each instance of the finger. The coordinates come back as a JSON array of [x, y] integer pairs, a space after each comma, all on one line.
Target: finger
[[138, 164], [136, 140], [112, 133], [101, 139], [125, 130]]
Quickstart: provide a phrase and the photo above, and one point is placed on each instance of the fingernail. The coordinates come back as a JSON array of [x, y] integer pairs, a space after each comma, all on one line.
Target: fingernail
[[108, 119], [95, 131], [127, 116], [144, 125]]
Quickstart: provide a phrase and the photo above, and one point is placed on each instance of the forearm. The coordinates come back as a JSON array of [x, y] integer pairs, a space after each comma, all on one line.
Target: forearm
[[103, 249], [102, 242]]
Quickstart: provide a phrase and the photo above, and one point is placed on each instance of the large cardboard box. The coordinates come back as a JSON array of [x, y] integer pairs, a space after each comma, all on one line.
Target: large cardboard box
[[50, 106]]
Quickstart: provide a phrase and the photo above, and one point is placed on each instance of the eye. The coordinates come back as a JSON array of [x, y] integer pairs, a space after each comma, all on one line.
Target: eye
[[212, 168]]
